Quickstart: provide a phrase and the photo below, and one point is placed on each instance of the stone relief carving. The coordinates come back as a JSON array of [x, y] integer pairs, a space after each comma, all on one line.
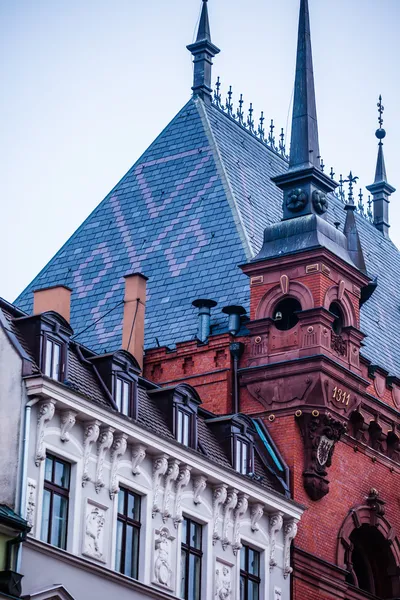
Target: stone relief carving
[[92, 431], [118, 450], [68, 420], [162, 561], [275, 525], [199, 485], [220, 493], [93, 543], [45, 414], [320, 202], [289, 533], [170, 477], [104, 443], [31, 502], [223, 581], [160, 466], [256, 512], [230, 505], [240, 511], [181, 482], [138, 456], [296, 200]]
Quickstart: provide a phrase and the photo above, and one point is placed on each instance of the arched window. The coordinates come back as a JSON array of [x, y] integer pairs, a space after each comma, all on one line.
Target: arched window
[[372, 567], [284, 315], [338, 323]]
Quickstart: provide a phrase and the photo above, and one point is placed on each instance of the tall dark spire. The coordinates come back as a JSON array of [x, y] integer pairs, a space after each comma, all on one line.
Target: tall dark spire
[[381, 190], [304, 148], [203, 51], [305, 185]]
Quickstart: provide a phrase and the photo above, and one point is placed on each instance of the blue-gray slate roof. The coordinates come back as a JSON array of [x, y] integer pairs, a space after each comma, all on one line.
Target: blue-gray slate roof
[[191, 209]]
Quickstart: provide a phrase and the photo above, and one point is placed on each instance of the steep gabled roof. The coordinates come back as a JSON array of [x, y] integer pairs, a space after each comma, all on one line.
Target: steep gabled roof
[[191, 209]]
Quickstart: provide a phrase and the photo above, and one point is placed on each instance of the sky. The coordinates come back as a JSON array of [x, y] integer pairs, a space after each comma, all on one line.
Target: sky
[[88, 84]]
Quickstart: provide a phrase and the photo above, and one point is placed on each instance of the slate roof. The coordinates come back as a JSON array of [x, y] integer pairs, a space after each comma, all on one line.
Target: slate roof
[[191, 209]]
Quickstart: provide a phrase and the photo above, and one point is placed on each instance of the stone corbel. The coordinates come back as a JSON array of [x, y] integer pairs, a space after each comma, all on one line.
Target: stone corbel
[[230, 505], [256, 512], [45, 415], [240, 511], [181, 482], [138, 456], [275, 525], [220, 493], [378, 431], [118, 449], [104, 443], [170, 477], [199, 486], [320, 432], [91, 435], [289, 533], [68, 420], [160, 466]]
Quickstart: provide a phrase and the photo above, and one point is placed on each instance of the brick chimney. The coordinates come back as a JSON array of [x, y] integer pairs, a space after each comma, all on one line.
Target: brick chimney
[[56, 298], [134, 311]]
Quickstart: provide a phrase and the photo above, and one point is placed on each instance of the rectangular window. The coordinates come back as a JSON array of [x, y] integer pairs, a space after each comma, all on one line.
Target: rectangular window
[[55, 502], [123, 394], [191, 555], [249, 574], [183, 427], [128, 533], [52, 363], [242, 456]]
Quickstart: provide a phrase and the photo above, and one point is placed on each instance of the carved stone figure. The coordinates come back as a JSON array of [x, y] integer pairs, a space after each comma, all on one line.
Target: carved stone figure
[[289, 533], [118, 450], [275, 525], [199, 485], [240, 511], [104, 444], [160, 466], [223, 582], [219, 497], [138, 456], [170, 477], [230, 504], [162, 562], [68, 420], [92, 432], [256, 512], [93, 542], [181, 482], [45, 414]]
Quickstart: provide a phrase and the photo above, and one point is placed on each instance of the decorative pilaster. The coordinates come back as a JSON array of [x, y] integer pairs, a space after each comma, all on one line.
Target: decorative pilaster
[[181, 482], [220, 493], [104, 443], [230, 505], [275, 525], [199, 485], [240, 511], [91, 435], [170, 477], [256, 512], [68, 420], [118, 449], [160, 466], [45, 415], [138, 456], [31, 503], [289, 533]]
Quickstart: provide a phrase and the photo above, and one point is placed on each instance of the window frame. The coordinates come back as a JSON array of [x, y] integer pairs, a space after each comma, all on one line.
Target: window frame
[[190, 431], [239, 439], [132, 394], [246, 575], [126, 520], [191, 550], [53, 489], [61, 367]]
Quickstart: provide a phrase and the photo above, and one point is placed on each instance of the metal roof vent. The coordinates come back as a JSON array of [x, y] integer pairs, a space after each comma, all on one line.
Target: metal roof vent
[[234, 312], [204, 307]]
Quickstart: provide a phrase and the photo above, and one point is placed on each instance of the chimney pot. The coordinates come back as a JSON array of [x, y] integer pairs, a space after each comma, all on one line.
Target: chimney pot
[[56, 298], [134, 312], [204, 307]]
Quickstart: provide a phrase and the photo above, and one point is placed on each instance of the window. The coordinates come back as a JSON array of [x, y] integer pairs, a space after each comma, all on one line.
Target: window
[[52, 359], [183, 427], [55, 502], [128, 530], [242, 456], [338, 323], [191, 560], [285, 316], [249, 574], [124, 396]]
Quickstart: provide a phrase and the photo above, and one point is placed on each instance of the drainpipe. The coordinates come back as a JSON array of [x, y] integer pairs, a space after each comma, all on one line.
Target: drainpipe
[[204, 307], [24, 472], [236, 350]]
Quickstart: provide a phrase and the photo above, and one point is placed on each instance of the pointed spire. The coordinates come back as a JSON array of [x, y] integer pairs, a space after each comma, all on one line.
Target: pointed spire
[[304, 149], [381, 190], [203, 51]]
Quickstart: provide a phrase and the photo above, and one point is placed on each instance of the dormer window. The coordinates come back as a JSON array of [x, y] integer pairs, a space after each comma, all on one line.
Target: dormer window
[[243, 456], [123, 395], [183, 427], [52, 359]]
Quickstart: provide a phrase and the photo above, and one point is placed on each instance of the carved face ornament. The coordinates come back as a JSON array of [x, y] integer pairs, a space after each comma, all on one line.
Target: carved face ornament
[[324, 449]]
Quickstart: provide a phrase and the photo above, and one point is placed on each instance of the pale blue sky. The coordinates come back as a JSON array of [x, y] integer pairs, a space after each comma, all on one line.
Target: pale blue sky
[[88, 84]]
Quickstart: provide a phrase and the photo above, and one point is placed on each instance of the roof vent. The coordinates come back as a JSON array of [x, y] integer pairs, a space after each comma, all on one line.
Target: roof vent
[[234, 312], [204, 307]]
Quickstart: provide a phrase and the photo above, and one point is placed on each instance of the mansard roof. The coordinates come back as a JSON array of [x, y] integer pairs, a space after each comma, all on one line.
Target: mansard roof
[[191, 209]]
